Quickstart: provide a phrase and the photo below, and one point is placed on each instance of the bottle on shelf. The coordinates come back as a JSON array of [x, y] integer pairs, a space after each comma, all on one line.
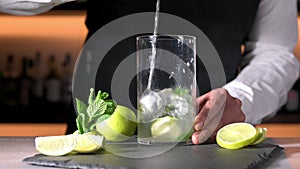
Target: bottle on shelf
[[25, 82], [52, 84], [66, 79], [9, 83], [1, 86], [38, 82]]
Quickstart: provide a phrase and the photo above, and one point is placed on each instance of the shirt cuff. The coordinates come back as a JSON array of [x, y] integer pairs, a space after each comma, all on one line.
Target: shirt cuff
[[245, 94]]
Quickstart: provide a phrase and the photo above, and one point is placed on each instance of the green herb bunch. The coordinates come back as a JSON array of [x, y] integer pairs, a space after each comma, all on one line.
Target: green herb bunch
[[98, 109]]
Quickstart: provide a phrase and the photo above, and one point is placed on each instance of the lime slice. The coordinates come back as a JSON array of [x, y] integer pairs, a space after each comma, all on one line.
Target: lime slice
[[88, 142], [166, 129], [261, 135], [236, 135], [55, 145]]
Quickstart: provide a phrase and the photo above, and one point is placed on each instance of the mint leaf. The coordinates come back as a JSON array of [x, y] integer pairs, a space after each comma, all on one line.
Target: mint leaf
[[79, 126], [103, 117], [111, 106], [95, 111], [91, 96], [80, 120], [101, 95], [81, 107], [104, 95], [100, 119], [98, 109], [81, 123]]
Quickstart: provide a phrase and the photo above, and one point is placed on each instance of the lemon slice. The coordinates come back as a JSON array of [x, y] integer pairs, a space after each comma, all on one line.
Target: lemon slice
[[55, 145], [261, 135], [88, 142], [236, 135]]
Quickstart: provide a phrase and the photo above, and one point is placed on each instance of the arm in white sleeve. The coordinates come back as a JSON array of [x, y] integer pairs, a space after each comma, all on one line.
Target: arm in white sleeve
[[271, 69], [28, 7]]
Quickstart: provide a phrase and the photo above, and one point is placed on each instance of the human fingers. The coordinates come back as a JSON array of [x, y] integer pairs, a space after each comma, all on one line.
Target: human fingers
[[200, 100], [202, 111], [212, 106], [232, 113], [201, 136], [201, 117]]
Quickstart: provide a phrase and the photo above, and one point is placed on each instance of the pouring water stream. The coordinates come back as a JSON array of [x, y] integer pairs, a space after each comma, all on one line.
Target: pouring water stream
[[153, 44]]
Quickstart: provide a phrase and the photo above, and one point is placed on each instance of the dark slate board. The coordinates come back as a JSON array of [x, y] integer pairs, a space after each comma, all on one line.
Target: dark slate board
[[182, 156]]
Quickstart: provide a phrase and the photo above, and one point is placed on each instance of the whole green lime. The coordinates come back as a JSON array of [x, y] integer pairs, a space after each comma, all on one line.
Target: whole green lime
[[120, 126]]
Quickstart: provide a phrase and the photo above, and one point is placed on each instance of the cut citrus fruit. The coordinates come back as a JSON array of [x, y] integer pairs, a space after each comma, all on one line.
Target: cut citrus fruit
[[88, 142], [236, 135], [261, 135], [55, 145], [120, 126], [166, 129]]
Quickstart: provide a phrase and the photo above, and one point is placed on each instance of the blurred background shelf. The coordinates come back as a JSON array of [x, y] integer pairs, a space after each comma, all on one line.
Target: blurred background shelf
[[27, 129], [284, 117], [34, 115], [275, 130]]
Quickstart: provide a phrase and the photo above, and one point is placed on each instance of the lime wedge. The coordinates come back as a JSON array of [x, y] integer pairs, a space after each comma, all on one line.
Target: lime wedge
[[69, 144], [55, 145], [236, 135], [88, 142], [261, 135]]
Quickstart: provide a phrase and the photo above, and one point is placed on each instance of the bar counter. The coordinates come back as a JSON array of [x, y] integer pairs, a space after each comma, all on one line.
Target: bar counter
[[15, 149]]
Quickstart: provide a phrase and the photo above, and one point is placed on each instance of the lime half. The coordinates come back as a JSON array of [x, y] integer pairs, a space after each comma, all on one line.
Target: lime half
[[120, 126], [55, 145], [236, 135]]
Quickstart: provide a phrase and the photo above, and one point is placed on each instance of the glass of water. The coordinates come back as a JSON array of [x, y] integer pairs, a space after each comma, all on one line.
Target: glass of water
[[166, 88]]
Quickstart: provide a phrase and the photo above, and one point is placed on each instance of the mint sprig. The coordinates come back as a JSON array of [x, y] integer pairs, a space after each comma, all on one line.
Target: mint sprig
[[98, 109]]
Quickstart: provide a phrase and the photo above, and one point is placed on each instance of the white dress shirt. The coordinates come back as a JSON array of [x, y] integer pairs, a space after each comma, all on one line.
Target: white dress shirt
[[270, 66], [28, 7]]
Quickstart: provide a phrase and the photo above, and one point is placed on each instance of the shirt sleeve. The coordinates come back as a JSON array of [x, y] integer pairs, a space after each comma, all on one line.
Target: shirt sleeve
[[28, 7], [271, 68]]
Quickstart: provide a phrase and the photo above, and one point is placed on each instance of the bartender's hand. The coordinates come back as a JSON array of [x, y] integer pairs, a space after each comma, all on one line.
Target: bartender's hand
[[216, 109], [28, 7]]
